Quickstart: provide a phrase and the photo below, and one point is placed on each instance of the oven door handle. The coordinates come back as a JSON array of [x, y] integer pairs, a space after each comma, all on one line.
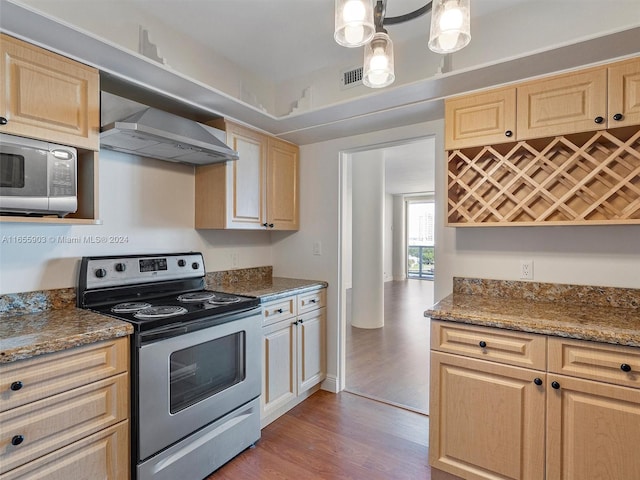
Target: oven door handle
[[176, 330]]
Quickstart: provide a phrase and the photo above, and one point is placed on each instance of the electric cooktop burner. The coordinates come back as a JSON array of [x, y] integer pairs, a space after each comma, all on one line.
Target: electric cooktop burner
[[129, 307], [223, 299], [195, 297], [160, 311]]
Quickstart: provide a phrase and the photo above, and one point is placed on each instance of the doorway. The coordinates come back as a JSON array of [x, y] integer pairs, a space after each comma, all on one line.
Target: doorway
[[391, 363]]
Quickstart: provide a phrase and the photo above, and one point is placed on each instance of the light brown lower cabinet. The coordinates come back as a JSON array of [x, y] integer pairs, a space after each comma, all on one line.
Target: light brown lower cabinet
[[575, 417], [65, 415]]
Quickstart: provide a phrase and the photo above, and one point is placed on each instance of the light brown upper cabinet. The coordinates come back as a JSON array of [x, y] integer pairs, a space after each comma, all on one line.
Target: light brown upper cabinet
[[624, 93], [258, 191], [562, 105], [47, 96], [480, 119]]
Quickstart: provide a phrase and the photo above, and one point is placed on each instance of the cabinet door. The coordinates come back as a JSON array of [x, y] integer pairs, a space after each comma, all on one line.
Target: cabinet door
[[47, 96], [480, 119], [282, 186], [245, 188], [593, 430], [624, 93], [311, 332], [486, 419], [562, 105], [279, 366]]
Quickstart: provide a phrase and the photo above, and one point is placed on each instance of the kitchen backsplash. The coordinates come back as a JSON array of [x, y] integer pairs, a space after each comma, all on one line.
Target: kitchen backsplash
[[549, 292]]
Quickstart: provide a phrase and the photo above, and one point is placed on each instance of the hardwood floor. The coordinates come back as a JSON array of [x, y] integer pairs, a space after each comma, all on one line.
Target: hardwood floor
[[337, 436], [392, 363]]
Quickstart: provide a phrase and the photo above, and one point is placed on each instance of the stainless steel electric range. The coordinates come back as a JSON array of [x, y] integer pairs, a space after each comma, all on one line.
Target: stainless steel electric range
[[195, 361]]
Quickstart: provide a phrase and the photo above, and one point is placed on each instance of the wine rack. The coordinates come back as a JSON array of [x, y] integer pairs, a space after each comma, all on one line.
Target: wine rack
[[580, 179]]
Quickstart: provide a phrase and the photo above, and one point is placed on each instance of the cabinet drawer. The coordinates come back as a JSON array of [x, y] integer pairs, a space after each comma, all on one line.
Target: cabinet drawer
[[277, 310], [54, 422], [595, 361], [504, 346], [102, 455], [312, 301], [50, 374]]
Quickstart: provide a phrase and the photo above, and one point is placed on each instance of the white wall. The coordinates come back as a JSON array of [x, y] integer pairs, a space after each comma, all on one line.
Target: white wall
[[148, 204], [388, 238], [399, 238]]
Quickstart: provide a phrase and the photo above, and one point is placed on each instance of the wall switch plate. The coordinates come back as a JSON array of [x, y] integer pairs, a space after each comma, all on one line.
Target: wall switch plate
[[317, 247], [526, 269]]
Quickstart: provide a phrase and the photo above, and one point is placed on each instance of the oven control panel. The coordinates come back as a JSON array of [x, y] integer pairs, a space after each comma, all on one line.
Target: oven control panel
[[129, 270]]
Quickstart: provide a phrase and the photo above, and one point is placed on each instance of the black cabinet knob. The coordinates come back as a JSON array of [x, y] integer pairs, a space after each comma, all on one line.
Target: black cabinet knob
[[271, 225], [508, 133], [265, 224], [295, 323], [301, 321], [618, 116], [555, 385], [3, 121], [537, 381], [313, 300], [598, 120], [279, 310], [482, 344], [625, 367], [17, 440], [15, 386]]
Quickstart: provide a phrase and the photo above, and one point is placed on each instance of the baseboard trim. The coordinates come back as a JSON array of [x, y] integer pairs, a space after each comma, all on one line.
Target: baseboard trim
[[330, 384]]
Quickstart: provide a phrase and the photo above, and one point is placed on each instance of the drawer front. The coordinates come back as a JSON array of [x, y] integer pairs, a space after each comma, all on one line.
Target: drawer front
[[278, 310], [102, 455], [55, 422], [494, 344], [595, 361], [47, 375], [312, 301]]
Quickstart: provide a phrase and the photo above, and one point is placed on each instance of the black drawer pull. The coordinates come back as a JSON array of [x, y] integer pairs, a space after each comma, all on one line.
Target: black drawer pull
[[508, 133], [295, 323], [17, 440], [301, 321], [625, 367], [15, 386], [537, 381], [482, 344], [555, 385], [279, 310], [313, 300], [618, 116], [598, 120]]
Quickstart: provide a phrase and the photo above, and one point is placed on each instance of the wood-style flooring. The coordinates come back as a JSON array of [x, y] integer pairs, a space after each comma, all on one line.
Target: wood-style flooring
[[337, 436], [391, 363]]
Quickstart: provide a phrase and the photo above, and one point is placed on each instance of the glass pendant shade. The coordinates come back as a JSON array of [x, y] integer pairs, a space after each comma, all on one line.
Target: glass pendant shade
[[378, 62], [354, 22], [450, 26]]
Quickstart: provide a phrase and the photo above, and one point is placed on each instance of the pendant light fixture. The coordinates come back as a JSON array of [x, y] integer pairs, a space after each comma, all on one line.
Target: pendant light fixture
[[450, 26], [354, 22], [354, 26]]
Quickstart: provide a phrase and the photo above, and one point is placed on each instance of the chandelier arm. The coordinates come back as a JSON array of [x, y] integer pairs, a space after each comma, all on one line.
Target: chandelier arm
[[408, 16]]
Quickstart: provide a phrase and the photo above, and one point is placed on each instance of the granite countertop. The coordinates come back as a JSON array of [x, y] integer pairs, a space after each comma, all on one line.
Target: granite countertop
[[28, 335], [272, 288], [597, 315]]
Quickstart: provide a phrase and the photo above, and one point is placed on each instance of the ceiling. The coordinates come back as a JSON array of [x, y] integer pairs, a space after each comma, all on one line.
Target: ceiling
[[285, 38]]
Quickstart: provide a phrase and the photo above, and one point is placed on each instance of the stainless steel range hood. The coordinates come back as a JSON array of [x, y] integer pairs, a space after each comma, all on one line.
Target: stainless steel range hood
[[158, 134]]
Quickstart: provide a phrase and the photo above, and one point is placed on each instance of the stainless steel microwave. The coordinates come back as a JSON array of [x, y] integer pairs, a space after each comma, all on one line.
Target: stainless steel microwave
[[36, 177]]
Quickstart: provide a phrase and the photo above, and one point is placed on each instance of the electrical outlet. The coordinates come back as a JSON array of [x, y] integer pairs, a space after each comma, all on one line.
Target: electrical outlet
[[317, 247], [526, 269]]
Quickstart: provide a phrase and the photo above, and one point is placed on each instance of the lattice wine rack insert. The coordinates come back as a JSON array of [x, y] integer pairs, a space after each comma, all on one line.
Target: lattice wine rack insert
[[575, 179]]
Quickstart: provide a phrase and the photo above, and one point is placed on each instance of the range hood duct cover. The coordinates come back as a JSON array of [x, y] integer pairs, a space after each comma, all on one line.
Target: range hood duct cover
[[158, 134]]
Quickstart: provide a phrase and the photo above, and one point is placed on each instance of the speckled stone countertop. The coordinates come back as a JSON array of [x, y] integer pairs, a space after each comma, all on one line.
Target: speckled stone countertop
[[271, 288], [28, 335], [601, 314]]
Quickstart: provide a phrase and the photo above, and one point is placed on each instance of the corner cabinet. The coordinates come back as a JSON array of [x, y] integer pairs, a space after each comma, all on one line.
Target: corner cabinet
[[500, 409], [66, 414], [258, 191], [294, 351], [52, 98]]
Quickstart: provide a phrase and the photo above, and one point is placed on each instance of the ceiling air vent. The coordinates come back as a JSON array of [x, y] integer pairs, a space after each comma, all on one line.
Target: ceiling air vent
[[351, 78]]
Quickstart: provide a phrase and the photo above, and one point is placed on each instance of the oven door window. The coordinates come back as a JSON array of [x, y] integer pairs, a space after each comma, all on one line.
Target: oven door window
[[205, 369]]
